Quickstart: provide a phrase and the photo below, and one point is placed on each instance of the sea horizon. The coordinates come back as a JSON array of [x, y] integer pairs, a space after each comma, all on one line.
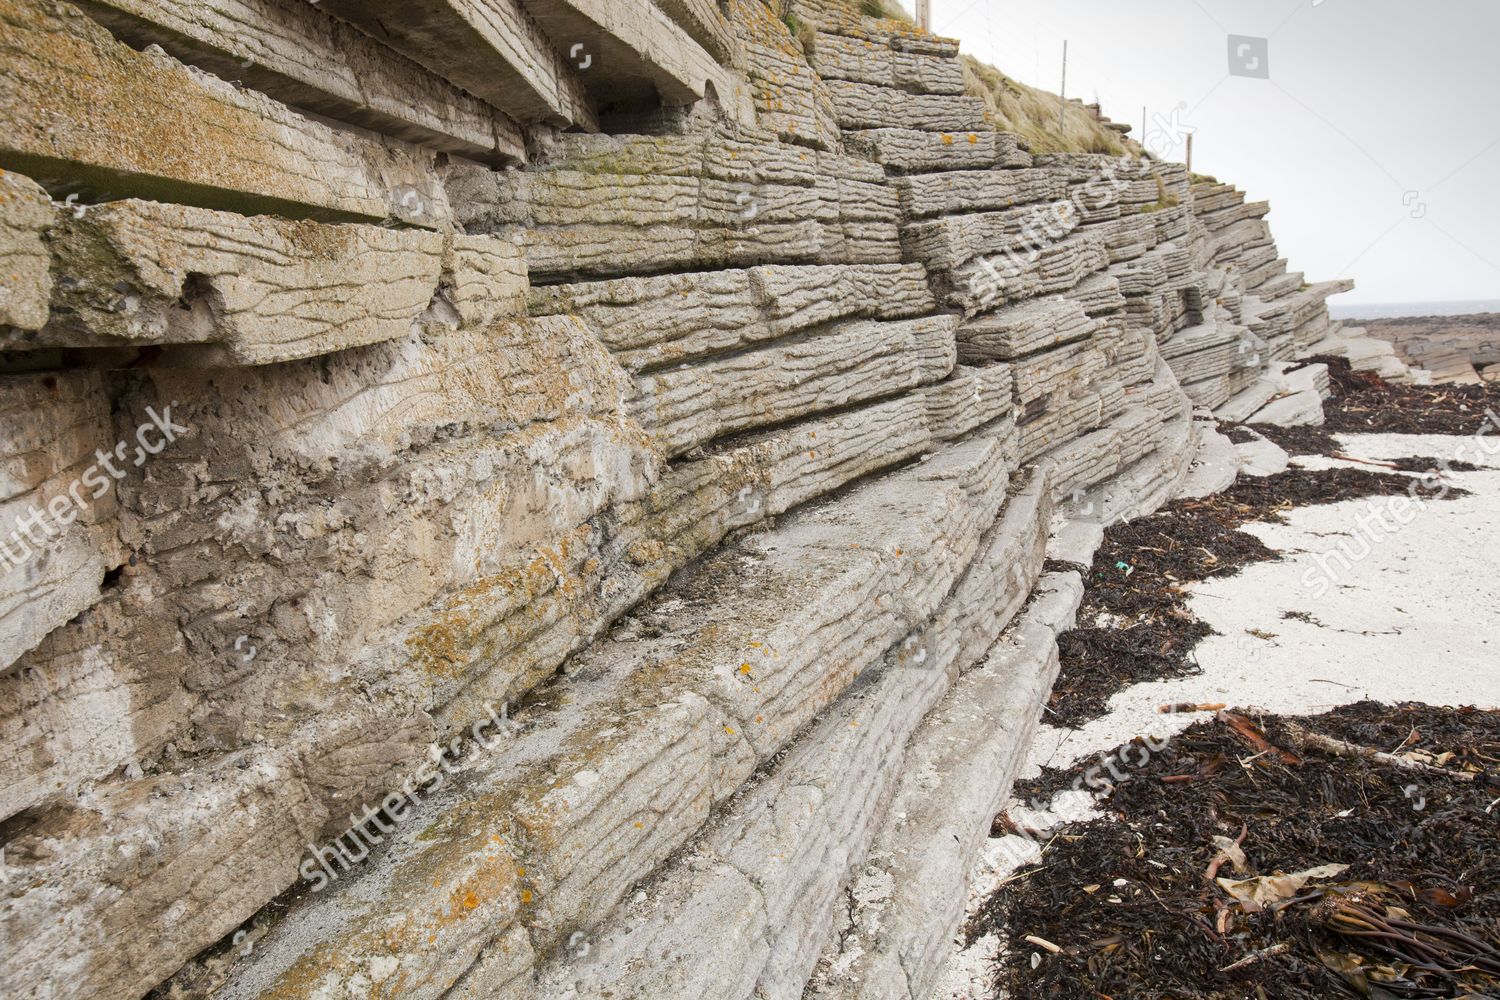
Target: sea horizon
[[1401, 310]]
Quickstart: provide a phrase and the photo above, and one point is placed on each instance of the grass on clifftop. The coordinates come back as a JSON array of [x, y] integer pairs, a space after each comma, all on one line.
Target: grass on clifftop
[[1032, 114], [1026, 111]]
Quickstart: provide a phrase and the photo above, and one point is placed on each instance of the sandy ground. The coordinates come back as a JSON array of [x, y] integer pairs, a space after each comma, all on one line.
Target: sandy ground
[[1403, 602]]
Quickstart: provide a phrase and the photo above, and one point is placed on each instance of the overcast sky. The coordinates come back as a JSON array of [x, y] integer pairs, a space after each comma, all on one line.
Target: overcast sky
[[1376, 137]]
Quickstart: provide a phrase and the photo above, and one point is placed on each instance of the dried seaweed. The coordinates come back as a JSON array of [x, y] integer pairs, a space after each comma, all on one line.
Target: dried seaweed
[[1134, 904]]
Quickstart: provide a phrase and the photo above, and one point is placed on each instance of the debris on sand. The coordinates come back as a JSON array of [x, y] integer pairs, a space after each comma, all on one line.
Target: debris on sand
[[1261, 857], [1134, 624], [1364, 403]]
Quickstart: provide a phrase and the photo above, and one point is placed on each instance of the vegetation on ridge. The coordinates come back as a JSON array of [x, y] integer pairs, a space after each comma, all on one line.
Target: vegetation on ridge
[[1015, 107], [1033, 115]]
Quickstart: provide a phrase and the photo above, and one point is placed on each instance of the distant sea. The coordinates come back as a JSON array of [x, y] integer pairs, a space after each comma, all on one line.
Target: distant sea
[[1400, 310]]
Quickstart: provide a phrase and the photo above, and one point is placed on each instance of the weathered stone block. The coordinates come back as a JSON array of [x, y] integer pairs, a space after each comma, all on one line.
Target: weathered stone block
[[839, 57], [703, 20], [651, 322], [683, 408], [734, 203], [293, 51], [911, 151], [484, 279], [232, 290], [754, 644], [790, 99], [862, 106], [57, 504], [86, 111], [962, 191], [1014, 331], [25, 217], [909, 898], [491, 48]]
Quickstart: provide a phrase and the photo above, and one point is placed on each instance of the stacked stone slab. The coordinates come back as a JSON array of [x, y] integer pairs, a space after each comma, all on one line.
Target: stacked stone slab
[[1282, 308], [692, 421]]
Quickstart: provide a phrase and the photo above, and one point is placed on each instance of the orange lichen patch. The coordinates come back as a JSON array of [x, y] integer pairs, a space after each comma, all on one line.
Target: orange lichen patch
[[447, 645], [470, 882]]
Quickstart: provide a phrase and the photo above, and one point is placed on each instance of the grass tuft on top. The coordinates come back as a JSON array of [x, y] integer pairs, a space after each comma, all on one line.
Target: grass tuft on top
[[1033, 115]]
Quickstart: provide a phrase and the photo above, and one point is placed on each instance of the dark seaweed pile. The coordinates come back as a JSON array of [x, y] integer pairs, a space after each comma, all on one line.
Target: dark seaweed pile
[[1363, 403], [1132, 902], [1134, 622]]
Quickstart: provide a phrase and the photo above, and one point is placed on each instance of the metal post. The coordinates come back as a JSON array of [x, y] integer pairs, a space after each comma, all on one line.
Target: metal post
[[924, 15], [1062, 94], [1190, 152]]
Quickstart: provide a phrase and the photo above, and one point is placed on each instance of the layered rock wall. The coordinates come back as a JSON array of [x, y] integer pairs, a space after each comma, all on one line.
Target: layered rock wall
[[550, 497]]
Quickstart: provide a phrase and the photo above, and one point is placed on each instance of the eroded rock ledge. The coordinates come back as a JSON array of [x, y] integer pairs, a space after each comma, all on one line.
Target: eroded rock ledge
[[705, 413]]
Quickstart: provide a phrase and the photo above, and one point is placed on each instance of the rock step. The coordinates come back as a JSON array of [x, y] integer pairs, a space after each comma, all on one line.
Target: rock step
[[963, 191], [1299, 400], [1025, 328], [652, 322], [1214, 221], [840, 57], [989, 282], [1134, 432], [1243, 405], [1060, 369], [89, 113], [301, 56], [637, 53], [1097, 295], [859, 106], [644, 737], [911, 151], [797, 836], [1210, 392], [1070, 414], [491, 48], [685, 407], [221, 289], [1208, 351], [690, 511], [1147, 485], [945, 244], [791, 101], [730, 203], [1215, 466], [908, 899]]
